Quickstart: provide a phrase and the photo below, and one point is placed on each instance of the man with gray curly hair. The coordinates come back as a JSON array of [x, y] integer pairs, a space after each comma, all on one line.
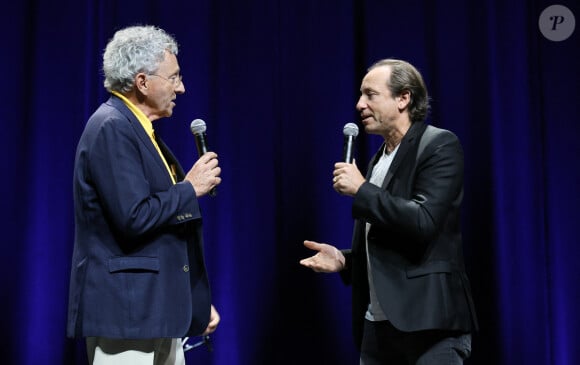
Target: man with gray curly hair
[[138, 278]]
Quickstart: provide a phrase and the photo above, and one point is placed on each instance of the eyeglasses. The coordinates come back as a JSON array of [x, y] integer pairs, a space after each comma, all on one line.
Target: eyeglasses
[[175, 79]]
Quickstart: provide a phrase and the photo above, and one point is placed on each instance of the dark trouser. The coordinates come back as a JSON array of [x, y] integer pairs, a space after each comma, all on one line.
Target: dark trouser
[[383, 344]]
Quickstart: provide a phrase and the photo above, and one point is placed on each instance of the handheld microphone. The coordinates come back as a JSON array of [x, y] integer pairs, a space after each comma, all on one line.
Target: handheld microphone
[[198, 129], [350, 132]]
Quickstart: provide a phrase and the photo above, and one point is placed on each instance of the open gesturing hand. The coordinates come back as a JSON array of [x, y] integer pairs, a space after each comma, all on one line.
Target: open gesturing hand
[[327, 259]]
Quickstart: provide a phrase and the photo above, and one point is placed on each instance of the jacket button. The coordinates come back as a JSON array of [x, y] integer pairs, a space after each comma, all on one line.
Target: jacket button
[[185, 268]]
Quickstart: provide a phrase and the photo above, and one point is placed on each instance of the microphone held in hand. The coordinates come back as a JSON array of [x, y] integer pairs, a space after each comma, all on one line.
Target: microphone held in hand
[[350, 132], [198, 129]]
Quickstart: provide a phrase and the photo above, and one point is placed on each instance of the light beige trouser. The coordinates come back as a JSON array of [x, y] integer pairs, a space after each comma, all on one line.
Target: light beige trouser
[[159, 351]]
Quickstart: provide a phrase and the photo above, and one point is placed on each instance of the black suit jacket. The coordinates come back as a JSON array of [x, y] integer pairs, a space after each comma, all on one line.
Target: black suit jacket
[[414, 242]]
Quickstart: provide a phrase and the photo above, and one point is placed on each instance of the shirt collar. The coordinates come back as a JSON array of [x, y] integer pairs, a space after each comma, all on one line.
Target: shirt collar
[[145, 122]]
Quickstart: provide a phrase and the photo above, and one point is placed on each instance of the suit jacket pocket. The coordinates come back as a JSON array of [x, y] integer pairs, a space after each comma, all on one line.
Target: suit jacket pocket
[[433, 267], [133, 263]]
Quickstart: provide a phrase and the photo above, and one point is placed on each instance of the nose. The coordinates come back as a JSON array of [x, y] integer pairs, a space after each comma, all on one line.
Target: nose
[[180, 89], [360, 105]]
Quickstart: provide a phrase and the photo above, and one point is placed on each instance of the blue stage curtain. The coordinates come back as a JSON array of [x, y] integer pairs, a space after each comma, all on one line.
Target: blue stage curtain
[[275, 82]]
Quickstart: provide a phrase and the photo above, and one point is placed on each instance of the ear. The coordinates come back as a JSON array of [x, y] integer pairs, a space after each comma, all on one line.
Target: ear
[[142, 83], [404, 99]]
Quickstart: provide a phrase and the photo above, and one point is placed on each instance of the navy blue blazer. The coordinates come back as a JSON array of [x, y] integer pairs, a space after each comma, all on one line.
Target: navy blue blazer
[[414, 243], [137, 268]]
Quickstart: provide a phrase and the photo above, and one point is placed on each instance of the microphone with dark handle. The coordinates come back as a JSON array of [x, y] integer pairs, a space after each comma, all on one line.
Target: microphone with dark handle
[[350, 132], [198, 129]]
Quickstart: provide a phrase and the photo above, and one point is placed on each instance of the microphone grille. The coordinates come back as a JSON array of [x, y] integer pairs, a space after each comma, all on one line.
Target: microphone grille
[[197, 126], [350, 129]]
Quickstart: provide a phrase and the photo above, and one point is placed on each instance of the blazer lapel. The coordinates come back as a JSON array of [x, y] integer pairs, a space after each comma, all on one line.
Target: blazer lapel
[[170, 158], [414, 131], [145, 139], [374, 161]]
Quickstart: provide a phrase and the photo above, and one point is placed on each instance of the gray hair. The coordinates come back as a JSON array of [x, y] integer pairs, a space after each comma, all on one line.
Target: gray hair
[[405, 77], [132, 50]]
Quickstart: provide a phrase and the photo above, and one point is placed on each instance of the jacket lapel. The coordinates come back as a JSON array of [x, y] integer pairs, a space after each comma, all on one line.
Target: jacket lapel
[[142, 135], [373, 162], [407, 142], [170, 158]]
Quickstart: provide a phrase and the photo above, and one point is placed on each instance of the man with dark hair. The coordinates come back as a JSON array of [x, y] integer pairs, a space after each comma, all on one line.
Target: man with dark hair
[[411, 296]]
